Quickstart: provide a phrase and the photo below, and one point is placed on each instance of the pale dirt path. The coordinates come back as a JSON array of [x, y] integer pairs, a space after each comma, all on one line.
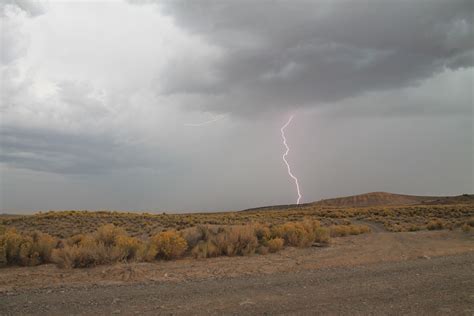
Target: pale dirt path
[[374, 227]]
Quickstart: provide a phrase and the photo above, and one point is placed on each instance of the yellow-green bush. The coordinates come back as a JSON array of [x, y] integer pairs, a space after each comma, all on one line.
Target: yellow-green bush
[[322, 235], [167, 245], [25, 250], [295, 234], [129, 248], [11, 243], [275, 244]]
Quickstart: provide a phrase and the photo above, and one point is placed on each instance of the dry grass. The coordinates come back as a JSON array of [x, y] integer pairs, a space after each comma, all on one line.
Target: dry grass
[[65, 224]]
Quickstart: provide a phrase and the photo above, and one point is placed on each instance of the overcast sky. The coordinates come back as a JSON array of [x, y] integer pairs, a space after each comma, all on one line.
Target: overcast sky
[[177, 105]]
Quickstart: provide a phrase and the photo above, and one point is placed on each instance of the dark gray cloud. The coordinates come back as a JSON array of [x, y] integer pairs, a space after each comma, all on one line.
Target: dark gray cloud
[[448, 94], [282, 54]]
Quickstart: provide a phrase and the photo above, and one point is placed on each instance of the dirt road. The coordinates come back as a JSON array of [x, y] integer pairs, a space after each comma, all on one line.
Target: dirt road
[[443, 285], [381, 273]]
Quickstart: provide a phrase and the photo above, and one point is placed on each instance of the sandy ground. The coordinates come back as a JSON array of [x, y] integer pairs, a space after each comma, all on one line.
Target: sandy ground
[[418, 272]]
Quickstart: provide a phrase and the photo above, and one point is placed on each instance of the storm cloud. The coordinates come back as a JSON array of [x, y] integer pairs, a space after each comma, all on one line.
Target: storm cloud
[[114, 103], [285, 54]]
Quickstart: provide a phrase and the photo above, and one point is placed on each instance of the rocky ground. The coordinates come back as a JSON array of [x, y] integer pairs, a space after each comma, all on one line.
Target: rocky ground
[[378, 273]]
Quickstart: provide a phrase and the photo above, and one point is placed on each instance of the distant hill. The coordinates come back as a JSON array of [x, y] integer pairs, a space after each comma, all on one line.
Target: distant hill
[[374, 199], [384, 198], [379, 199]]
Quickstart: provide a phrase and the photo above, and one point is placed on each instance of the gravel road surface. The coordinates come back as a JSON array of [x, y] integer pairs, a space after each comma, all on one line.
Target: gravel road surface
[[424, 286]]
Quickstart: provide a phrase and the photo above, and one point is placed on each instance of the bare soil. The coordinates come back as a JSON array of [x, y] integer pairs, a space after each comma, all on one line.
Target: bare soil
[[427, 272]]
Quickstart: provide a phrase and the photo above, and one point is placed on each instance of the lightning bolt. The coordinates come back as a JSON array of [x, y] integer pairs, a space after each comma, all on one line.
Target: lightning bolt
[[214, 119], [282, 130]]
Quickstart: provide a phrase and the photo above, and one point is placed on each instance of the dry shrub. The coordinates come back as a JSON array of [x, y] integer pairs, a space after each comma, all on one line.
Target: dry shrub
[[466, 228], [263, 250], [25, 250], [295, 234], [311, 224], [87, 253], [107, 245], [339, 230], [205, 249], [228, 241], [414, 228], [192, 236], [11, 244], [43, 245], [470, 222], [364, 229], [359, 229], [75, 240], [237, 240], [262, 233], [111, 244], [3, 253], [167, 245], [435, 225], [128, 248], [245, 242], [345, 230], [275, 244], [322, 235], [108, 234]]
